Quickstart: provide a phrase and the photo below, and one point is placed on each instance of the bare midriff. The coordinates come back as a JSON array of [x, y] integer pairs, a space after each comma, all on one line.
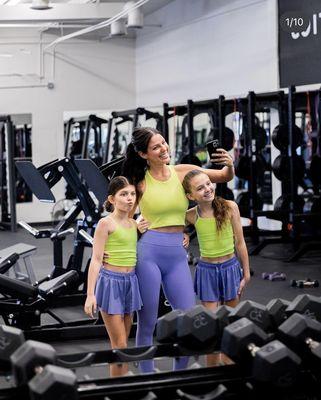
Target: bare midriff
[[169, 229], [216, 260], [115, 268]]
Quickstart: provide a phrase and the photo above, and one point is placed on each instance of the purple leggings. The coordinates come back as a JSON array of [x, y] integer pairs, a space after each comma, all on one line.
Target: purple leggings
[[161, 259]]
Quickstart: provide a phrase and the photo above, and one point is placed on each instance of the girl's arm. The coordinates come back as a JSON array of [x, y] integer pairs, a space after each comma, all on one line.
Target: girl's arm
[[240, 245], [100, 237], [224, 175]]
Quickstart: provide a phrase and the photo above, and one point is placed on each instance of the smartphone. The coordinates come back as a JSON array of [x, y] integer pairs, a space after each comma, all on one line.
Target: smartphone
[[212, 146]]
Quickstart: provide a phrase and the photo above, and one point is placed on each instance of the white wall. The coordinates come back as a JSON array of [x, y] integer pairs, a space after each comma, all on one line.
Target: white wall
[[206, 48], [86, 75]]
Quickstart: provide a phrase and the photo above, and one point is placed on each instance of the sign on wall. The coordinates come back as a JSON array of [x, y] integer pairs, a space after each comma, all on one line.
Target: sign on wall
[[299, 42]]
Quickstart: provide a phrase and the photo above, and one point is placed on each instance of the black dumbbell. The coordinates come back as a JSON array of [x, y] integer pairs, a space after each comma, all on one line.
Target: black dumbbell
[[272, 363], [303, 335], [304, 283], [255, 312], [306, 304], [10, 340], [166, 328], [198, 328], [276, 308], [280, 309], [31, 365]]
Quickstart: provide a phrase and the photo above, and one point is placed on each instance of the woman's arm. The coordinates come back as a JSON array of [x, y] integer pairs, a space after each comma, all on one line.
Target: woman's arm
[[215, 175], [240, 245], [100, 237], [190, 216], [189, 220]]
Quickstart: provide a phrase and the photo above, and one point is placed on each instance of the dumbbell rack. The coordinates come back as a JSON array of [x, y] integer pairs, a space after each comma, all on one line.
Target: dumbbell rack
[[291, 219]]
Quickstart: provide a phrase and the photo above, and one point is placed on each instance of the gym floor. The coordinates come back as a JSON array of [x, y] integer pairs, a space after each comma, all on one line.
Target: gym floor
[[260, 290]]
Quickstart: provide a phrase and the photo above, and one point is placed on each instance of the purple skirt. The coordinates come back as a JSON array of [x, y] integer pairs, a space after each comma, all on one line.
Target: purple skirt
[[118, 292], [218, 282]]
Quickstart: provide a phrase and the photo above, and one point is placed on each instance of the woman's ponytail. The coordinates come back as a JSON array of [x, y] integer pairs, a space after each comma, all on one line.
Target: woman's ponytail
[[134, 166]]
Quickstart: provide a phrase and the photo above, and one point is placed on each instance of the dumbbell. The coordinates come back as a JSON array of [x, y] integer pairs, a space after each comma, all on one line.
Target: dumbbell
[[276, 309], [255, 312], [10, 340], [31, 365], [306, 304], [303, 335], [272, 363], [280, 309], [304, 283], [197, 328]]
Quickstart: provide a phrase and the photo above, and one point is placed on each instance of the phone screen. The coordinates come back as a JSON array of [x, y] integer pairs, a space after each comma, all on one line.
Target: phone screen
[[212, 146]]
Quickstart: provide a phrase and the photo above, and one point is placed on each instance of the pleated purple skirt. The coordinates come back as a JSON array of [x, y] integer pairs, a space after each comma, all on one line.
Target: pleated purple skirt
[[118, 292], [218, 282]]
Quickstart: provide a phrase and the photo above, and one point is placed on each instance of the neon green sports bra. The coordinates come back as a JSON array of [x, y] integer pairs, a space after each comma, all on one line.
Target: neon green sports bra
[[121, 247], [211, 242], [164, 202]]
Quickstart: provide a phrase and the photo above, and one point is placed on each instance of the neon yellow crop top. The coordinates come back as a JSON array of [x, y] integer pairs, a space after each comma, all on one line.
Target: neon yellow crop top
[[164, 202], [121, 247], [211, 242]]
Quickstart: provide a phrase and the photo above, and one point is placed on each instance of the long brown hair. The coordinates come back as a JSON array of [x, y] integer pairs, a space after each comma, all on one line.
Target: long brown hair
[[221, 209], [116, 184]]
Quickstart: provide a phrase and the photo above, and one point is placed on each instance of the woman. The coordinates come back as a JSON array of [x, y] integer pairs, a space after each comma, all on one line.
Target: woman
[[161, 257]]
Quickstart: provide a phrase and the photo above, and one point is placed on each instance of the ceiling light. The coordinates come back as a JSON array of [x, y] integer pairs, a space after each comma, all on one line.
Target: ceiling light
[[40, 5], [135, 17], [118, 28]]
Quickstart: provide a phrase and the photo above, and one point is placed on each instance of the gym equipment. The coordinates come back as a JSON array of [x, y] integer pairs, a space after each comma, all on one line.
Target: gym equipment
[[41, 180], [282, 204], [304, 283], [7, 262], [31, 365], [26, 302], [243, 201], [242, 167], [281, 167], [276, 309], [11, 338], [194, 329], [306, 304], [197, 329], [166, 328], [258, 135], [274, 276], [14, 254], [280, 137], [7, 175], [273, 362], [303, 335], [253, 311]]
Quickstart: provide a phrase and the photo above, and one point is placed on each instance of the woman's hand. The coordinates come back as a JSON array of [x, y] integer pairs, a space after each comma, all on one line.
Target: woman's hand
[[243, 283], [185, 240], [90, 307], [222, 157], [142, 225]]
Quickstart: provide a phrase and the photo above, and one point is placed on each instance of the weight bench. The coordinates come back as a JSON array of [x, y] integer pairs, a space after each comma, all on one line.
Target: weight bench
[[24, 251], [23, 303]]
